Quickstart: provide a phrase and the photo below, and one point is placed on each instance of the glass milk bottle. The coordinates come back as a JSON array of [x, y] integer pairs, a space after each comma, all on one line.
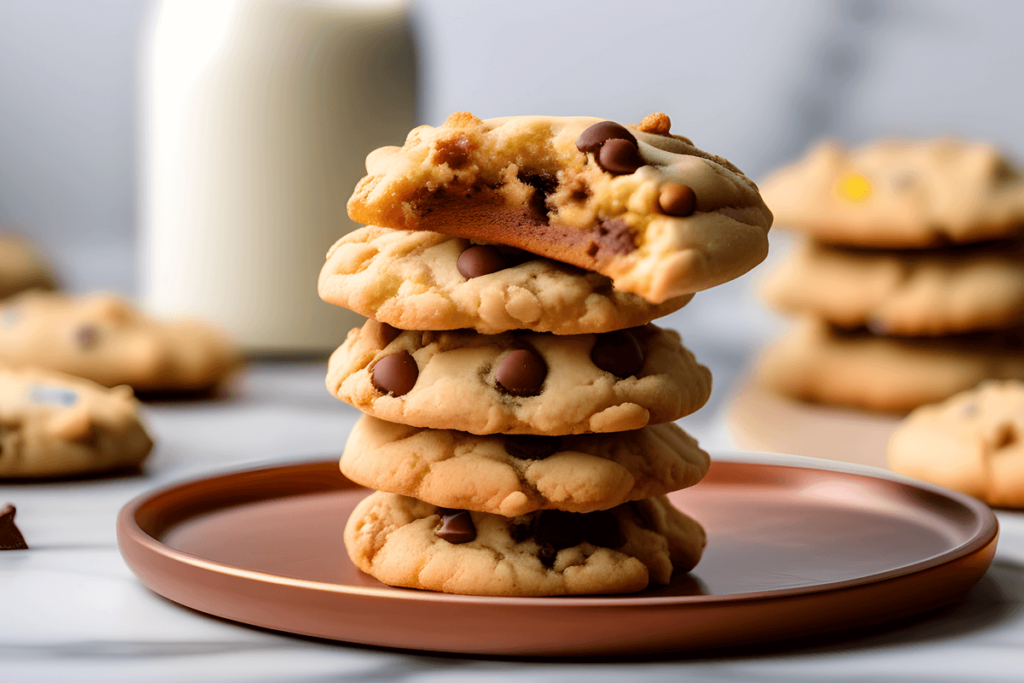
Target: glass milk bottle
[[257, 118]]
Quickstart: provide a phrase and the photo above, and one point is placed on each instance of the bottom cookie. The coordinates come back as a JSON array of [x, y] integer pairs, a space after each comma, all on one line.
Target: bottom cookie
[[405, 542], [818, 362], [973, 442]]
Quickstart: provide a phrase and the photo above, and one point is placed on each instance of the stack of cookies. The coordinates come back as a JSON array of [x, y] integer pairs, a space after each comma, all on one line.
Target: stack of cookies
[[518, 402], [910, 279]]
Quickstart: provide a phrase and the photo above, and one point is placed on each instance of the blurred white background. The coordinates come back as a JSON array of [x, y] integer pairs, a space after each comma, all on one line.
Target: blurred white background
[[752, 80]]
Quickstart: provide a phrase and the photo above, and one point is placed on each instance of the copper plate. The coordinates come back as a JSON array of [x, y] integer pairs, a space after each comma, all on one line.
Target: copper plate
[[795, 547]]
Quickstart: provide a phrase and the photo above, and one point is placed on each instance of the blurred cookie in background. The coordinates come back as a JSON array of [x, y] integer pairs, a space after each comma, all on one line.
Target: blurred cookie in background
[[972, 442], [22, 267], [103, 338], [54, 425]]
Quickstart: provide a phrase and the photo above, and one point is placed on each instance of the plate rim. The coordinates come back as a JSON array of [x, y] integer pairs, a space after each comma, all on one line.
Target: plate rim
[[129, 530]]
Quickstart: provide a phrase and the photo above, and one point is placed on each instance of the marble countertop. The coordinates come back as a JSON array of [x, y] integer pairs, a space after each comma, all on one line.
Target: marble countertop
[[71, 610]]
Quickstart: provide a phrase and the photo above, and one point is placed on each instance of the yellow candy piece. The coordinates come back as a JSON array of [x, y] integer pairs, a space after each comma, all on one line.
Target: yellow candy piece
[[854, 187]]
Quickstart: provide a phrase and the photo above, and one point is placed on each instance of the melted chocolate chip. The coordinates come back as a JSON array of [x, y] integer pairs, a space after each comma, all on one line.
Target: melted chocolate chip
[[10, 537], [456, 526], [395, 374], [86, 337], [480, 259], [561, 529], [543, 184], [619, 157], [594, 137], [455, 153], [611, 235], [618, 353], [381, 334], [677, 199], [531, 447], [521, 373], [520, 532]]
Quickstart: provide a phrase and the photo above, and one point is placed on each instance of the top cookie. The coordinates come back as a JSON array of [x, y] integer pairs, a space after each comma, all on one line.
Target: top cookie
[[419, 280], [900, 194], [970, 442], [658, 216], [106, 339], [21, 268]]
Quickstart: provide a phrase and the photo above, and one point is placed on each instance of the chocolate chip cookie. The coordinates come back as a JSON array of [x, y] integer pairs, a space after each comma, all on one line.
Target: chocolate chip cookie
[[818, 362], [55, 425], [644, 207], [406, 542], [107, 340], [921, 292], [519, 383], [22, 268], [419, 280], [972, 442], [514, 475], [900, 194]]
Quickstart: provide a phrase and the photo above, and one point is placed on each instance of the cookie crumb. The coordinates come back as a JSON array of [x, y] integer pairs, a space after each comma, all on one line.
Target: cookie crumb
[[656, 124]]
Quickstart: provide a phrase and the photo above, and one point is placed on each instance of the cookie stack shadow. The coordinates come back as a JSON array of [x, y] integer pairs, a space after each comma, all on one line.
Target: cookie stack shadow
[[518, 411], [908, 282]]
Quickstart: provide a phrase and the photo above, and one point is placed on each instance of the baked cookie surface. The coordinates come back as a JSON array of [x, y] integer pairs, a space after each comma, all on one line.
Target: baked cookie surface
[[929, 292], [519, 383], [649, 210], [414, 280], [898, 194], [22, 268], [973, 442], [510, 475], [406, 542], [107, 340], [817, 362], [55, 425]]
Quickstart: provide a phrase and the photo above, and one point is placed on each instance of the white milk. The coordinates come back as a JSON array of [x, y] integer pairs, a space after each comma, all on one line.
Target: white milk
[[257, 118]]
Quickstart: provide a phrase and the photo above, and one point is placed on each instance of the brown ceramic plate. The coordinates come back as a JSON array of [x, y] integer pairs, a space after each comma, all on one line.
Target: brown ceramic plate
[[796, 547]]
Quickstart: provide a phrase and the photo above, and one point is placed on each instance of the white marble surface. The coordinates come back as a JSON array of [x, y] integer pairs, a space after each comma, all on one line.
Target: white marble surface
[[70, 610]]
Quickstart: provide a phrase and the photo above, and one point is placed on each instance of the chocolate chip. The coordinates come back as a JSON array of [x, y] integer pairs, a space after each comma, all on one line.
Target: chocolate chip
[[532, 447], [395, 374], [543, 184], [10, 537], [611, 235], [480, 259], [381, 334], [455, 153], [515, 257], [520, 532], [561, 529], [592, 138], [547, 554], [86, 337], [456, 526], [619, 157], [521, 373], [618, 353], [677, 199]]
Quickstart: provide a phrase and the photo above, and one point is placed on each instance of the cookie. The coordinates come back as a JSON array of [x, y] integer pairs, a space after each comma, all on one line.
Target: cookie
[[405, 542], [646, 208], [519, 383], [515, 475], [419, 280], [899, 194], [105, 339], [818, 362], [55, 425], [22, 268], [929, 292], [972, 442]]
